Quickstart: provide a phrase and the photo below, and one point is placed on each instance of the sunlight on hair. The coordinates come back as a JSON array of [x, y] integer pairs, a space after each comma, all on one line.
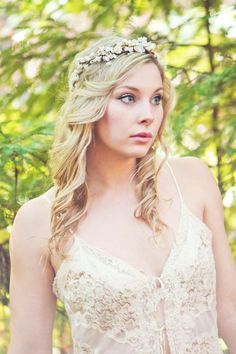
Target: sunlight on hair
[[84, 105]]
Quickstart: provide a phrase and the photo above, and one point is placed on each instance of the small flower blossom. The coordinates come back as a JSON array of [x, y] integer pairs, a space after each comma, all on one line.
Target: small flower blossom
[[107, 54], [117, 49]]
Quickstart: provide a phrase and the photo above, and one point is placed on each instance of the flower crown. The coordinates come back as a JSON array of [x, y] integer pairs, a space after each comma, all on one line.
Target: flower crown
[[107, 54]]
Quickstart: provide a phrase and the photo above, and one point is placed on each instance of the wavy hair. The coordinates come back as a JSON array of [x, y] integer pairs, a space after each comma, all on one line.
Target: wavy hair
[[74, 133]]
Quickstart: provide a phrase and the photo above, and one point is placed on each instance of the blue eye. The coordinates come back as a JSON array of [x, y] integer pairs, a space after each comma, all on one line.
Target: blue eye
[[157, 99], [126, 98]]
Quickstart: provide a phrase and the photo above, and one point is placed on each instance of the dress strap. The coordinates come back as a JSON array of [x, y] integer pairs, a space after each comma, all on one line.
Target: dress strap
[[175, 180], [47, 199]]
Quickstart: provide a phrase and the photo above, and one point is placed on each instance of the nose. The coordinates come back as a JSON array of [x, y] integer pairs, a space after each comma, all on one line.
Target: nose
[[146, 114]]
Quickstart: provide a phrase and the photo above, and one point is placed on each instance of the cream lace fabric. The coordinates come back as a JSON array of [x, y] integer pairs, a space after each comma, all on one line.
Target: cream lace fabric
[[114, 308]]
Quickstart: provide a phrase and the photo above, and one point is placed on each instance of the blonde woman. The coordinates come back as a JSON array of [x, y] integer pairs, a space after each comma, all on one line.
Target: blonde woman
[[134, 245]]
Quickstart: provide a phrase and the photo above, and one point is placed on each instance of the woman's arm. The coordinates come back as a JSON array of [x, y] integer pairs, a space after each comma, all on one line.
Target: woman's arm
[[224, 262], [32, 302]]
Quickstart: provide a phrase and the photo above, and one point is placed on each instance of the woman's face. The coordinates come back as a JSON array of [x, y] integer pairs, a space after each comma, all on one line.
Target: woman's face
[[134, 114]]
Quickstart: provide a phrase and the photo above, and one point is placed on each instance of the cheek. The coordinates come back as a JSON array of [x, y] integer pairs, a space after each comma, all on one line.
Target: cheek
[[114, 122], [109, 128]]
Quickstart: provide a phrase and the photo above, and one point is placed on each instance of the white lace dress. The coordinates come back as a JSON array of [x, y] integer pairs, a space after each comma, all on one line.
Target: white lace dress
[[114, 308]]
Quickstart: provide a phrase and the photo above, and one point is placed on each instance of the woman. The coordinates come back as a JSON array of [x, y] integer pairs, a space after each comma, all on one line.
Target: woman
[[138, 250]]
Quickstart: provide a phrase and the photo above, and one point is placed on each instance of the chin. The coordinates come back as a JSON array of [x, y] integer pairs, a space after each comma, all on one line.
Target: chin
[[139, 154]]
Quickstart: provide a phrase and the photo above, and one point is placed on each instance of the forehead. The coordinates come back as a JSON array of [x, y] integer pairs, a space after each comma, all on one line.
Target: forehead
[[146, 75]]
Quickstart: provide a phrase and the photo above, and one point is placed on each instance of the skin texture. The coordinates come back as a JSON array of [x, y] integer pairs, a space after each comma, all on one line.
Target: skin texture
[[129, 112], [110, 164]]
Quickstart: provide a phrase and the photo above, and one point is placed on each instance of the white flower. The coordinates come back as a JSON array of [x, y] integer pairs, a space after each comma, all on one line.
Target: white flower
[[83, 60], [74, 77], [139, 49], [97, 59], [117, 49], [150, 46], [108, 49], [107, 54], [142, 39], [110, 56], [130, 49]]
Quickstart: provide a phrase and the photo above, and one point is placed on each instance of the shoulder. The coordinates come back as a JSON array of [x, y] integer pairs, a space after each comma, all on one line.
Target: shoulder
[[32, 213], [190, 164], [31, 227], [196, 173]]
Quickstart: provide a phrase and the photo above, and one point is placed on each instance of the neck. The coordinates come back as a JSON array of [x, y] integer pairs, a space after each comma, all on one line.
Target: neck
[[110, 174]]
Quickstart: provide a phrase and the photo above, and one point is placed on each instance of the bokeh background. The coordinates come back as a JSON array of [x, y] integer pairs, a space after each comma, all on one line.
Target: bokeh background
[[38, 40]]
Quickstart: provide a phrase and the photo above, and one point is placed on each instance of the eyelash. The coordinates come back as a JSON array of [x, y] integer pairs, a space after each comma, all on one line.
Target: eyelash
[[129, 95]]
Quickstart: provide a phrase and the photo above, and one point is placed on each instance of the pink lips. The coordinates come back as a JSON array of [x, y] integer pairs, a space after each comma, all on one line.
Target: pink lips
[[142, 137]]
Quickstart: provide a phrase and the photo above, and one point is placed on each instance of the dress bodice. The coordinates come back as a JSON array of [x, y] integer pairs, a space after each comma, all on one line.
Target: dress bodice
[[115, 308]]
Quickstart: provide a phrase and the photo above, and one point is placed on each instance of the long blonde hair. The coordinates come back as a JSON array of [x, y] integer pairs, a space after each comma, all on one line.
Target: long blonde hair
[[83, 106]]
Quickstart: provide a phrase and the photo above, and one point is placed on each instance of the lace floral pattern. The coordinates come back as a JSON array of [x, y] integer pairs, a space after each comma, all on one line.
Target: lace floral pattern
[[112, 311], [202, 344], [108, 295], [84, 349]]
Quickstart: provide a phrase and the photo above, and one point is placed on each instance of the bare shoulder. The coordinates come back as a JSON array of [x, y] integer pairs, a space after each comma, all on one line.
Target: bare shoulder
[[31, 228], [189, 164], [50, 194], [31, 278], [195, 173], [192, 166]]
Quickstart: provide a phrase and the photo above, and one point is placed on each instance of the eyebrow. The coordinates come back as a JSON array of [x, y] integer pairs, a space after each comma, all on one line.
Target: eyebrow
[[135, 88]]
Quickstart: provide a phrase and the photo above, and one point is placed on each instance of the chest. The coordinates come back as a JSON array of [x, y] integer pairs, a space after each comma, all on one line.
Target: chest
[[118, 233]]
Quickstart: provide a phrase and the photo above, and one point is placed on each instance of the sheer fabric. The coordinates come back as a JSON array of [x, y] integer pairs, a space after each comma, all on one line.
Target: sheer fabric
[[114, 308]]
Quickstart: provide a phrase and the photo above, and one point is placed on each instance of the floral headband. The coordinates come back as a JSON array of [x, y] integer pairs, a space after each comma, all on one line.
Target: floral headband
[[107, 54]]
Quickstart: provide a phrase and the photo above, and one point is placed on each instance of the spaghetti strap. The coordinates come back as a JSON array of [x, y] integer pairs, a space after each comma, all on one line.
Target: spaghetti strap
[[47, 199], [175, 180]]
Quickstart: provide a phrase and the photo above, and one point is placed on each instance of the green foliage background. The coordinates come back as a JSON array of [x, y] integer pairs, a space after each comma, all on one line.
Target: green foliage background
[[39, 39]]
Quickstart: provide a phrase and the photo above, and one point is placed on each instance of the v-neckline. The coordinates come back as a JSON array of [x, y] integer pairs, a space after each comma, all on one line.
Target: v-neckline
[[179, 235]]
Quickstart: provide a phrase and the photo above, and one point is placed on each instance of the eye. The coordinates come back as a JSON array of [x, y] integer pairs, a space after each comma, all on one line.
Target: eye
[[127, 98], [157, 99]]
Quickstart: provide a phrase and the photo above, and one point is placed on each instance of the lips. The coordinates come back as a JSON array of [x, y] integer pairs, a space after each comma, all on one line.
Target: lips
[[143, 135]]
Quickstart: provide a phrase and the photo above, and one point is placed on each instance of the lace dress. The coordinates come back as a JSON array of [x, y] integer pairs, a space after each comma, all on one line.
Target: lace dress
[[114, 308]]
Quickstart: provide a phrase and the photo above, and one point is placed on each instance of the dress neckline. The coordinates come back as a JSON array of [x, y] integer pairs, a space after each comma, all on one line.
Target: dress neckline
[[180, 236]]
